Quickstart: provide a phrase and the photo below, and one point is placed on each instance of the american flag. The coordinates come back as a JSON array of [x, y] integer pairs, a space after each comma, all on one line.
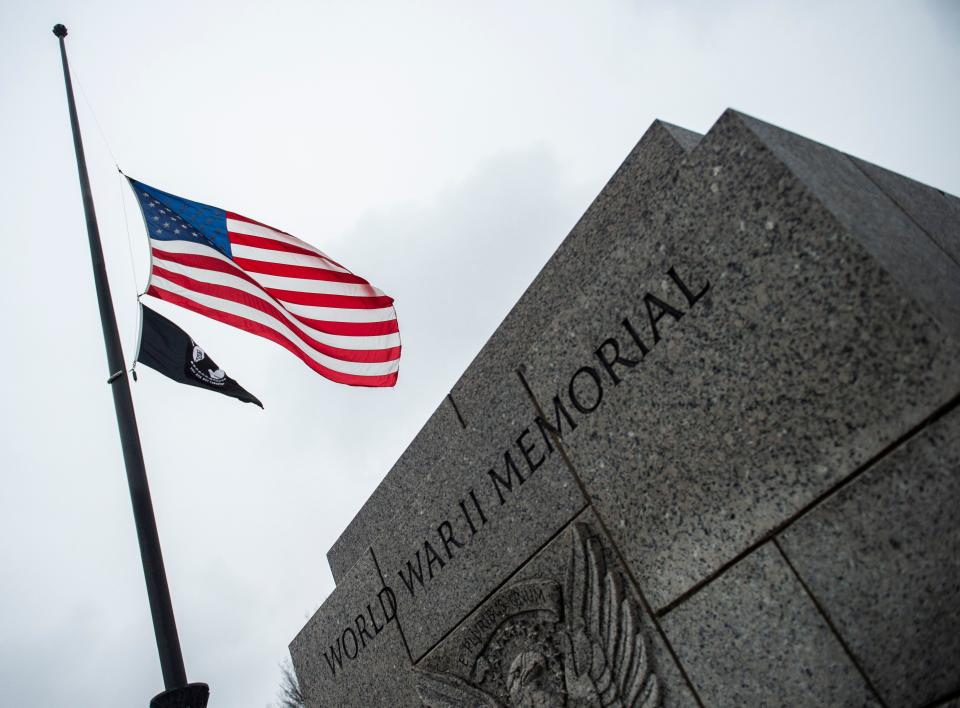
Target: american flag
[[267, 282]]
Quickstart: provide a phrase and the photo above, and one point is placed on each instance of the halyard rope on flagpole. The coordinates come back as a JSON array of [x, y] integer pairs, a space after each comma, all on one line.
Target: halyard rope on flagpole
[[133, 272], [126, 226], [123, 203], [96, 121], [136, 352], [123, 207], [126, 223]]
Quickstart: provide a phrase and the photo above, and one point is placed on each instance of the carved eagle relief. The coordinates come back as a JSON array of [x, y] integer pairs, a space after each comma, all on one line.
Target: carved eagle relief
[[595, 656]]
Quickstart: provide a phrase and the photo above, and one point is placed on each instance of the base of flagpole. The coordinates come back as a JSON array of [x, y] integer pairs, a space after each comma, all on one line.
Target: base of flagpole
[[193, 695]]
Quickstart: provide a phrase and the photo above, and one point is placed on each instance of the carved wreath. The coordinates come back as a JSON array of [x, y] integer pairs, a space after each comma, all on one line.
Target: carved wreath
[[605, 661]]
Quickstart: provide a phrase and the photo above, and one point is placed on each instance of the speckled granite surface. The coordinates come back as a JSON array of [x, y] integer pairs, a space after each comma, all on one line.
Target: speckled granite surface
[[883, 559], [373, 521], [754, 638], [351, 653], [935, 212], [803, 360], [498, 527]]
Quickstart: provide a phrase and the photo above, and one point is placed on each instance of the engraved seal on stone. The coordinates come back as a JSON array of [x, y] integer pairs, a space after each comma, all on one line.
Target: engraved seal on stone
[[537, 645]]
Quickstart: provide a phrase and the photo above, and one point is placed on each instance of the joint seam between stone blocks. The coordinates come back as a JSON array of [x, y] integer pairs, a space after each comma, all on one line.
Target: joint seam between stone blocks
[[906, 213], [817, 501], [830, 625], [456, 410], [643, 601], [616, 549], [636, 585], [396, 618], [943, 700], [538, 409], [480, 603]]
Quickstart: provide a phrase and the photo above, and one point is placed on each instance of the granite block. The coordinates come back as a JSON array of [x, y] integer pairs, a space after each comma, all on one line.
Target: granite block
[[933, 210], [882, 557], [548, 300], [373, 520], [484, 509], [464, 511], [736, 325], [554, 307], [351, 652], [525, 644], [501, 435], [753, 637], [757, 353], [887, 232], [432, 485]]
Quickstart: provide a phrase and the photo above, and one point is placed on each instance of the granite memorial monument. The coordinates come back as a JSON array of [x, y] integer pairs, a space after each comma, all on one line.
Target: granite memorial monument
[[710, 458]]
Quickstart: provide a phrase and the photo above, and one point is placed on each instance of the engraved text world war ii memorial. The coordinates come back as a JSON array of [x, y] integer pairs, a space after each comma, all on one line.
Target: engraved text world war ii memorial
[[710, 458]]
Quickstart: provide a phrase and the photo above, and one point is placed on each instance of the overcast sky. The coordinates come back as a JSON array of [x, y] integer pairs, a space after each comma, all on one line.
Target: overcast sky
[[440, 149]]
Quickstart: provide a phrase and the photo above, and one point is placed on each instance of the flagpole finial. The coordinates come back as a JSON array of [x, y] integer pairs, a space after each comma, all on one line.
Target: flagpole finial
[[60, 31]]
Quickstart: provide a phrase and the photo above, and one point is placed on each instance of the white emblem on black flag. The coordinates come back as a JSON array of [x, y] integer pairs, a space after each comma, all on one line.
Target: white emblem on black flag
[[171, 351]]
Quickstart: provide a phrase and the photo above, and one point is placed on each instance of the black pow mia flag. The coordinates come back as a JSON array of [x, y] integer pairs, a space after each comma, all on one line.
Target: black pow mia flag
[[171, 351]]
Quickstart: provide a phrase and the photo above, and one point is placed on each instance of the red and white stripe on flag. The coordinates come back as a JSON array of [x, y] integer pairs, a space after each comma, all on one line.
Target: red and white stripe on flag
[[281, 288]]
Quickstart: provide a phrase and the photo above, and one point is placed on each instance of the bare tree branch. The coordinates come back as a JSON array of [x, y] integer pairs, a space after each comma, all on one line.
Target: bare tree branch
[[290, 695]]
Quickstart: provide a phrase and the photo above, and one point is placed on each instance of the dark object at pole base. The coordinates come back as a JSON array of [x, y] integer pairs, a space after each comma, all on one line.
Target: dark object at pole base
[[193, 695]]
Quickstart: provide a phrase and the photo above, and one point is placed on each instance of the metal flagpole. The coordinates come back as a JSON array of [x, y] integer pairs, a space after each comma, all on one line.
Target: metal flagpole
[[178, 693]]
